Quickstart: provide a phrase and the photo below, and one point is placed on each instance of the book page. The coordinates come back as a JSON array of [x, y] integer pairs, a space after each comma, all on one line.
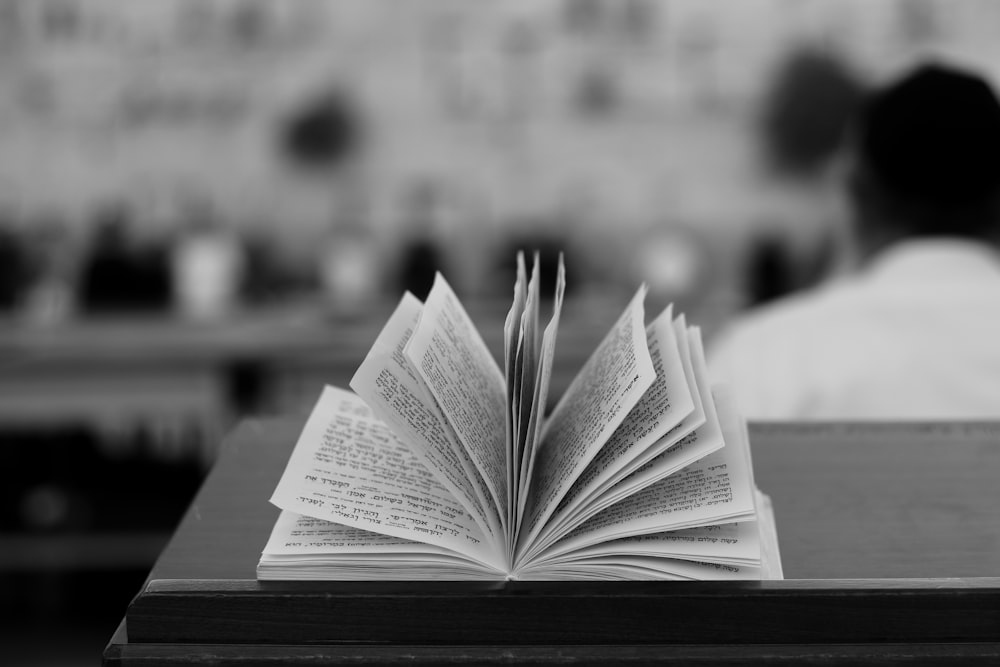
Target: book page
[[687, 433], [309, 549], [298, 534], [707, 438], [697, 435], [457, 367], [716, 489], [770, 554], [513, 344], [640, 568], [663, 407], [349, 468], [389, 384], [611, 382], [731, 543], [541, 396], [529, 353]]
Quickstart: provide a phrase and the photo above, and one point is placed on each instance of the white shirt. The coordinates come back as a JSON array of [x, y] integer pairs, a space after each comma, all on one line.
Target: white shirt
[[916, 335]]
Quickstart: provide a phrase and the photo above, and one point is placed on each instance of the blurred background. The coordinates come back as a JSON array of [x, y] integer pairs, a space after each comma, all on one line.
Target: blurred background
[[209, 207]]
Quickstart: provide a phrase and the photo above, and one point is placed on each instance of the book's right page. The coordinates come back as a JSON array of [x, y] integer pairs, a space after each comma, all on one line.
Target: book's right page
[[669, 410], [770, 554], [724, 551], [625, 470], [662, 460], [606, 389], [716, 490]]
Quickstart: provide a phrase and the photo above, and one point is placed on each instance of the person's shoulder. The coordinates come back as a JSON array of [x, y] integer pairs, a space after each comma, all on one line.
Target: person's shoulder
[[800, 309]]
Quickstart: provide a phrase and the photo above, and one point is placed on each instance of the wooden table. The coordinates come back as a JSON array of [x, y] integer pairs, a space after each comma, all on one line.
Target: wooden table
[[890, 538]]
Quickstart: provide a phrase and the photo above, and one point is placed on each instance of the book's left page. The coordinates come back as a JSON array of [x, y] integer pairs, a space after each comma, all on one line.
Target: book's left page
[[349, 468], [388, 382], [302, 548], [459, 371]]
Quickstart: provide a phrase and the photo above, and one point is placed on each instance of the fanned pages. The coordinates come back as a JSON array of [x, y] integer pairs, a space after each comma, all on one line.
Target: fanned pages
[[450, 356], [387, 381], [443, 465]]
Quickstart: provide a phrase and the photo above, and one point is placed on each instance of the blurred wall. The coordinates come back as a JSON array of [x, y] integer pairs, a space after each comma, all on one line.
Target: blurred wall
[[626, 115]]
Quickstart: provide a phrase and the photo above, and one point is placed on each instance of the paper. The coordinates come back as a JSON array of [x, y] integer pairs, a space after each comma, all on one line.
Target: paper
[[299, 534], [716, 489], [305, 548], [349, 468], [527, 378], [678, 450], [537, 419], [728, 543], [602, 394], [389, 384], [638, 568], [663, 407], [686, 442], [513, 337], [458, 369]]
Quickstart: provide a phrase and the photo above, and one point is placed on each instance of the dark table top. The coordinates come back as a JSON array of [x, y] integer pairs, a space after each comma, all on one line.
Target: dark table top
[[852, 501], [889, 536]]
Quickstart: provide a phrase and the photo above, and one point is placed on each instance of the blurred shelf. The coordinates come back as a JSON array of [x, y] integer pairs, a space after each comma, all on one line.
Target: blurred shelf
[[92, 551], [167, 337], [113, 371]]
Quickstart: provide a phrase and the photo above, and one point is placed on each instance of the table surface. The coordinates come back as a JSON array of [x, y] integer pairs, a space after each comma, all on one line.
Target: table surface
[[888, 534], [866, 500]]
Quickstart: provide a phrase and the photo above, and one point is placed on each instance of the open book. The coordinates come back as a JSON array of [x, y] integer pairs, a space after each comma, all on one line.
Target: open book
[[442, 465]]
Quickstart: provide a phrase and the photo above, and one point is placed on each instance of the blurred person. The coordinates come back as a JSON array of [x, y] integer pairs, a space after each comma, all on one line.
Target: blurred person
[[118, 274], [805, 110], [911, 333], [420, 256], [14, 268], [770, 269], [264, 278], [810, 100]]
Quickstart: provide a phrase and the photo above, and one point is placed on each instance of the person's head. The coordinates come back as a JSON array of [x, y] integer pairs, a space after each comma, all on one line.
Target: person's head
[[926, 160]]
